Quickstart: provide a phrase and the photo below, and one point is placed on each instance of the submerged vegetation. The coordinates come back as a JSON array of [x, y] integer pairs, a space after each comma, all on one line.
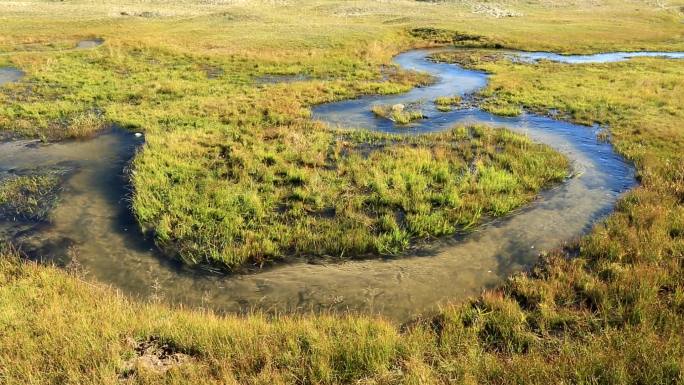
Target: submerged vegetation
[[398, 113], [29, 197], [613, 313]]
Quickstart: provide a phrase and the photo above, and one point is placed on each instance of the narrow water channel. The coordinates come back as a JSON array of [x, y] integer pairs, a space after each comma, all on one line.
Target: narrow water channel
[[92, 224]]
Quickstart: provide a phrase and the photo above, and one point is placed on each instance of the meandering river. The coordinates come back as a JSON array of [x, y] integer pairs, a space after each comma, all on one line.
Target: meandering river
[[92, 223]]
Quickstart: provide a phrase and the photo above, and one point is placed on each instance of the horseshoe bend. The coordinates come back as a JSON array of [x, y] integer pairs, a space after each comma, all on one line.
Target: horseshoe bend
[[372, 201]]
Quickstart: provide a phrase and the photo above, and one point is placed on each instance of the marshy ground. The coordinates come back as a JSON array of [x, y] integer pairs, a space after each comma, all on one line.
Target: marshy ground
[[221, 145]]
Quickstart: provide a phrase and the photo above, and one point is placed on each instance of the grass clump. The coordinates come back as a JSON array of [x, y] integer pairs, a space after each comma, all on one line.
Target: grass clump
[[502, 109], [442, 36], [469, 58], [398, 113], [446, 103], [28, 197]]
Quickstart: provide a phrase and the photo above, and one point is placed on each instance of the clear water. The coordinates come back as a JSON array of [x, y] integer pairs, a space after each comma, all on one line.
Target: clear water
[[9, 75], [610, 57], [92, 223], [90, 43]]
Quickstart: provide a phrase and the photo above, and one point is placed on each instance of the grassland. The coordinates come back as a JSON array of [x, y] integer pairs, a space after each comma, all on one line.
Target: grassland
[[611, 314]]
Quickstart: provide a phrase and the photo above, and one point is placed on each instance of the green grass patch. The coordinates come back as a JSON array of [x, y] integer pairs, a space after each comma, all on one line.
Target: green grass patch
[[357, 194], [502, 109], [447, 103]]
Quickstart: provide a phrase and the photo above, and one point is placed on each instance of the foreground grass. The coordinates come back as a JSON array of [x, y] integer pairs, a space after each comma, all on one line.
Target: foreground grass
[[592, 319]]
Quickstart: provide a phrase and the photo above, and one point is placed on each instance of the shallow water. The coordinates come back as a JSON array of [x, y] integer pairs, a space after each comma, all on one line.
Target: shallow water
[[92, 223], [610, 57], [90, 43], [9, 75]]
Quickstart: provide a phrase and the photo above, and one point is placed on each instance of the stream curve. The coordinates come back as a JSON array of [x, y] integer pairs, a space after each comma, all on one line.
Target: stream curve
[[92, 223]]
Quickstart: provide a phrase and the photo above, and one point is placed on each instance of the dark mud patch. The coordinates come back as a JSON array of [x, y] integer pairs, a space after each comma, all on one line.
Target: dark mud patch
[[144, 14], [57, 251], [440, 36], [398, 20], [278, 79], [234, 16], [152, 355], [211, 71], [395, 74]]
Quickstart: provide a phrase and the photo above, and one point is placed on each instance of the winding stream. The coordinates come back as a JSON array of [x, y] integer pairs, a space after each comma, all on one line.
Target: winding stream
[[93, 226]]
